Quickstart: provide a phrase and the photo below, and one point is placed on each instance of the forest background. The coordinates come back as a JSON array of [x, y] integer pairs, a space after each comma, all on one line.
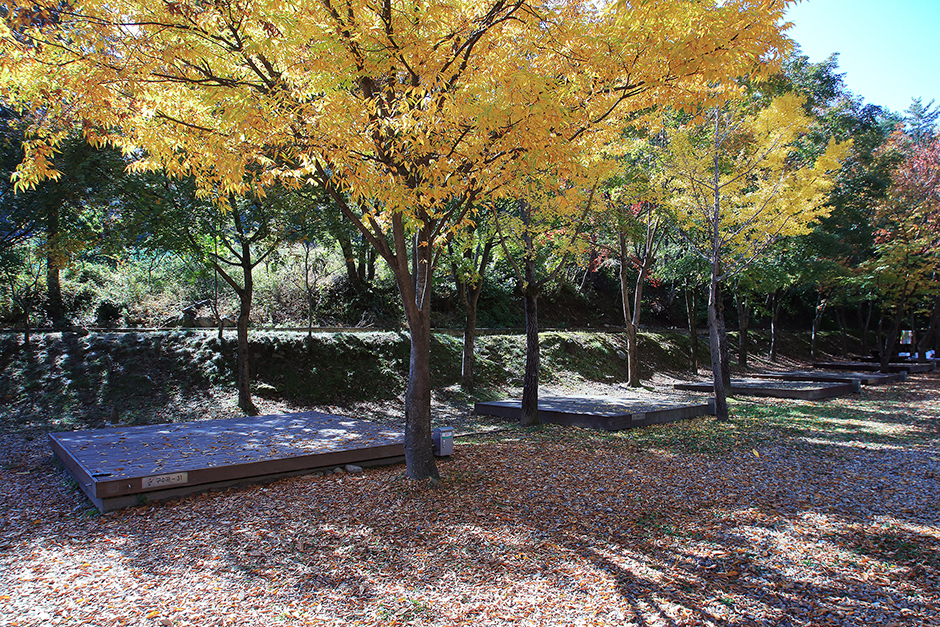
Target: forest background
[[828, 207]]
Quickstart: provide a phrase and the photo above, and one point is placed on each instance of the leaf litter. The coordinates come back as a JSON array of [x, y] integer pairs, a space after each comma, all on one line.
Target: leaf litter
[[794, 513]]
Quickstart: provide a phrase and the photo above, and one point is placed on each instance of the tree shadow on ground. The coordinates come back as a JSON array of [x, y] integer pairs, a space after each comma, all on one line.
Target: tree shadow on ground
[[652, 537]]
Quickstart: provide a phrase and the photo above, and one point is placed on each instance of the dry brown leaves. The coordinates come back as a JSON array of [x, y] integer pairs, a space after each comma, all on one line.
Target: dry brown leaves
[[538, 528]]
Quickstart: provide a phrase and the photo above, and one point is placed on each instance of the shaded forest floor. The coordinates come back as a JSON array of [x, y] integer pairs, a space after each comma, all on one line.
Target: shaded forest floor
[[792, 513]]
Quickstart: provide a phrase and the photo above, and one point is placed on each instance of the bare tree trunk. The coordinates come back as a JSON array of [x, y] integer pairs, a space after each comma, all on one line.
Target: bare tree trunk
[[865, 324], [723, 342], [691, 308], [307, 291], [468, 360], [469, 294], [775, 302], [349, 258], [54, 303], [244, 315], [415, 290], [715, 331], [27, 339], [633, 352], [932, 330], [844, 346], [240, 249], [370, 265], [530, 382], [363, 250], [530, 292], [744, 314], [419, 458], [817, 323], [891, 339], [632, 318], [717, 338], [880, 333], [633, 333]]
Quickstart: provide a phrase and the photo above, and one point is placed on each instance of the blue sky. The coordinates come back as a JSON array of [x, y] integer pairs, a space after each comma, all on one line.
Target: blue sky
[[889, 50]]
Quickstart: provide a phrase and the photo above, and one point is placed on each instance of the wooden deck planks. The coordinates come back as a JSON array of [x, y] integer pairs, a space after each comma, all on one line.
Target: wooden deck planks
[[864, 378], [867, 366], [116, 466], [805, 390], [600, 412]]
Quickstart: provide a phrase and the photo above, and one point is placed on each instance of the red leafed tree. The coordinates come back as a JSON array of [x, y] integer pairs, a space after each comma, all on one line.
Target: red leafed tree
[[908, 243]]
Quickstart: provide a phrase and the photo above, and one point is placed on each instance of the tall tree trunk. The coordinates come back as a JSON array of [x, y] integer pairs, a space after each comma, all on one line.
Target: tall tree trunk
[[880, 332], [632, 318], [914, 335], [933, 330], [744, 315], [691, 308], [363, 262], [715, 332], [633, 352], [775, 301], [817, 323], [55, 306], [468, 360], [415, 290], [370, 266], [469, 294], [723, 342], [414, 272], [634, 344], [244, 315], [844, 346], [717, 337], [633, 357], [865, 324], [307, 291], [891, 339], [349, 258], [27, 338], [530, 381], [419, 458]]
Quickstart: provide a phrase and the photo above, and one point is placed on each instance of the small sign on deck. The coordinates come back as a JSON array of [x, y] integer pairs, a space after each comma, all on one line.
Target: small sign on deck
[[161, 481]]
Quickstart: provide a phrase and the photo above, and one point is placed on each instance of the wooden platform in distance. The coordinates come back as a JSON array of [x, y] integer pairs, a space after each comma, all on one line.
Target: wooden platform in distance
[[601, 412], [864, 378], [118, 467], [868, 366], [805, 390]]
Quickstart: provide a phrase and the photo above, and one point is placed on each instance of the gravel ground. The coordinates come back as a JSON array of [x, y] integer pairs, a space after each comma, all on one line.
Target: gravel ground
[[834, 524]]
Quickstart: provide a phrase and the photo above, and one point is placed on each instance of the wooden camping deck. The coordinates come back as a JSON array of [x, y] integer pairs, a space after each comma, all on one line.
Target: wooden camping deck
[[118, 467], [805, 390], [601, 412], [868, 366], [864, 378]]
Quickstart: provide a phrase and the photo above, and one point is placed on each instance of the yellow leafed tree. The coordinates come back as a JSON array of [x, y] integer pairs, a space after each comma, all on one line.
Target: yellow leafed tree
[[738, 185], [406, 111], [538, 233]]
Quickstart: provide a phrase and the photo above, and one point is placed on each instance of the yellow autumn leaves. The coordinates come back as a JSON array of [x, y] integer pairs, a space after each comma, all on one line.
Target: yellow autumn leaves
[[737, 177], [409, 101]]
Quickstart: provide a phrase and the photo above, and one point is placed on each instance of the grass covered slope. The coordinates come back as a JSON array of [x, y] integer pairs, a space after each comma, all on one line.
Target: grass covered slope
[[67, 381]]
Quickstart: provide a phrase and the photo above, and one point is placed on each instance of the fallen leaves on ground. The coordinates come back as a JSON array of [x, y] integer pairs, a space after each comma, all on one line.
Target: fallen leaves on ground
[[552, 526]]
